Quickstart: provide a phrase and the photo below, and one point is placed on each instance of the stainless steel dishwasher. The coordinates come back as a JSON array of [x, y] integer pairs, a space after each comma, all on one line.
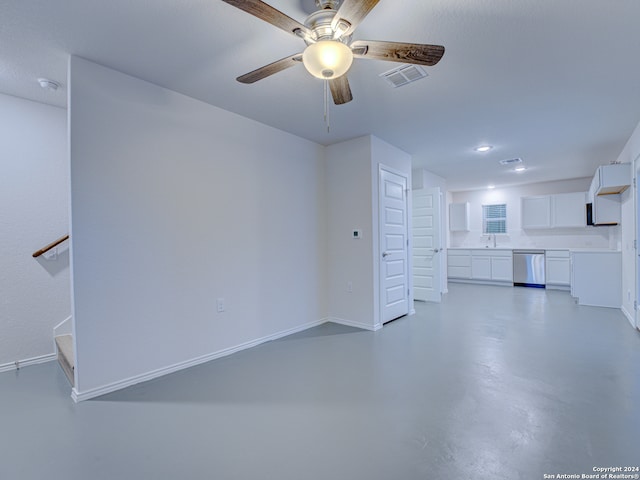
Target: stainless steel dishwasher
[[528, 268]]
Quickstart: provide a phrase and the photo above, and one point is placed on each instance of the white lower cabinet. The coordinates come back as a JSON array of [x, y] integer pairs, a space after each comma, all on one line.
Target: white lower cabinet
[[483, 265], [558, 268], [502, 268], [459, 264], [597, 278], [593, 277], [480, 267]]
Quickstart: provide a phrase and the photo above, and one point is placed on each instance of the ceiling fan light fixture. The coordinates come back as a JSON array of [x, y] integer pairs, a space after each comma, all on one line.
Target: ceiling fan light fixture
[[327, 59]]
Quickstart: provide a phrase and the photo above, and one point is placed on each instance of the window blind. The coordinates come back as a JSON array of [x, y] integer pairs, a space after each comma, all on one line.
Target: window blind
[[494, 218]]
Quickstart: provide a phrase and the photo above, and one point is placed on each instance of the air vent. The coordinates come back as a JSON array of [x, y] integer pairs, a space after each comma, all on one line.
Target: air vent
[[511, 161], [404, 75]]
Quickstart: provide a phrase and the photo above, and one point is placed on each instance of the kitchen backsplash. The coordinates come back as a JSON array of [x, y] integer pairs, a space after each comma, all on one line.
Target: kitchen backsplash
[[589, 237]]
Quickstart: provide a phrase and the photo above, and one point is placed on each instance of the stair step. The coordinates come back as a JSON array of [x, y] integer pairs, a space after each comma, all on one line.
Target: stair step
[[65, 355]]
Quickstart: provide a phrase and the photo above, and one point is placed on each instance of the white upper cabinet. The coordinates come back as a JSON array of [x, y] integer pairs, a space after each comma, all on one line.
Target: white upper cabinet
[[608, 182], [536, 211], [563, 210], [611, 179], [569, 209], [606, 210], [459, 217]]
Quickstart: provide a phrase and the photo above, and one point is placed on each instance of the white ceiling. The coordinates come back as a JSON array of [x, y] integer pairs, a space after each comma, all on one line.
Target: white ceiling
[[556, 82]]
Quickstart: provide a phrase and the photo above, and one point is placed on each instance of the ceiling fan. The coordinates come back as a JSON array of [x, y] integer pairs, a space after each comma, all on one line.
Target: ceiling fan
[[330, 49]]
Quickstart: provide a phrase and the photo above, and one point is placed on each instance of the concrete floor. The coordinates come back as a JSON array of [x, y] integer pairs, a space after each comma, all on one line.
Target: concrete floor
[[494, 383]]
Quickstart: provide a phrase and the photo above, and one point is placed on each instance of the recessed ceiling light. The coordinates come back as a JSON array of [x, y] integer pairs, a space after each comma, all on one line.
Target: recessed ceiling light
[[483, 148], [48, 84], [520, 169], [491, 187]]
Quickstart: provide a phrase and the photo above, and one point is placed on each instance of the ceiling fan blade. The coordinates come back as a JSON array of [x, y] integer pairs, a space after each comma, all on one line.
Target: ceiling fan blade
[[268, 70], [352, 12], [340, 90], [270, 15], [415, 53]]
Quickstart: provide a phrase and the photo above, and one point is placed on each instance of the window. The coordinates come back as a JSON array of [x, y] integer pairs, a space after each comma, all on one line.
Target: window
[[494, 219]]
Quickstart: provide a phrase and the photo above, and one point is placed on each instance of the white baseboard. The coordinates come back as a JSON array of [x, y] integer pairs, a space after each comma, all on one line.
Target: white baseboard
[[7, 367], [112, 387], [632, 320], [412, 311], [351, 323]]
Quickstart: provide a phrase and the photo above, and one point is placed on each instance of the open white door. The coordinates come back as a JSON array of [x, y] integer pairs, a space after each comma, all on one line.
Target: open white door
[[394, 245], [427, 248]]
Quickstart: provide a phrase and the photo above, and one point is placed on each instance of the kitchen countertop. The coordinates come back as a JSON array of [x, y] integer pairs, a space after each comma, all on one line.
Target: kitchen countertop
[[483, 248], [594, 250], [581, 250]]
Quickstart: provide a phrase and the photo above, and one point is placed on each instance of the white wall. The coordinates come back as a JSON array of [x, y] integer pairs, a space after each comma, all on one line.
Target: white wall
[[352, 196], [587, 237], [628, 225], [349, 207], [34, 205], [174, 204]]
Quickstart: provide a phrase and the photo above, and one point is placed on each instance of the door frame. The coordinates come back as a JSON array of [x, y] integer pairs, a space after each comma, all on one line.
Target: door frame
[[378, 264]]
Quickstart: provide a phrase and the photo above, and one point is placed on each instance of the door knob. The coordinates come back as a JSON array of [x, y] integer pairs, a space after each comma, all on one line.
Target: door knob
[[385, 254]]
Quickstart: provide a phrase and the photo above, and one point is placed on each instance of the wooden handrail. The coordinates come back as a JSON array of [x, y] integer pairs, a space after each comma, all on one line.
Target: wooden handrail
[[50, 246]]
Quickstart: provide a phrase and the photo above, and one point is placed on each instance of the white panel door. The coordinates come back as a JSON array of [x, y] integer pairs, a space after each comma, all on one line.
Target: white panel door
[[394, 234], [427, 267]]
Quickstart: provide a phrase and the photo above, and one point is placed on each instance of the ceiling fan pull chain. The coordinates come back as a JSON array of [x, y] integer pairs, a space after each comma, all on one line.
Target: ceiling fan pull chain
[[326, 105]]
